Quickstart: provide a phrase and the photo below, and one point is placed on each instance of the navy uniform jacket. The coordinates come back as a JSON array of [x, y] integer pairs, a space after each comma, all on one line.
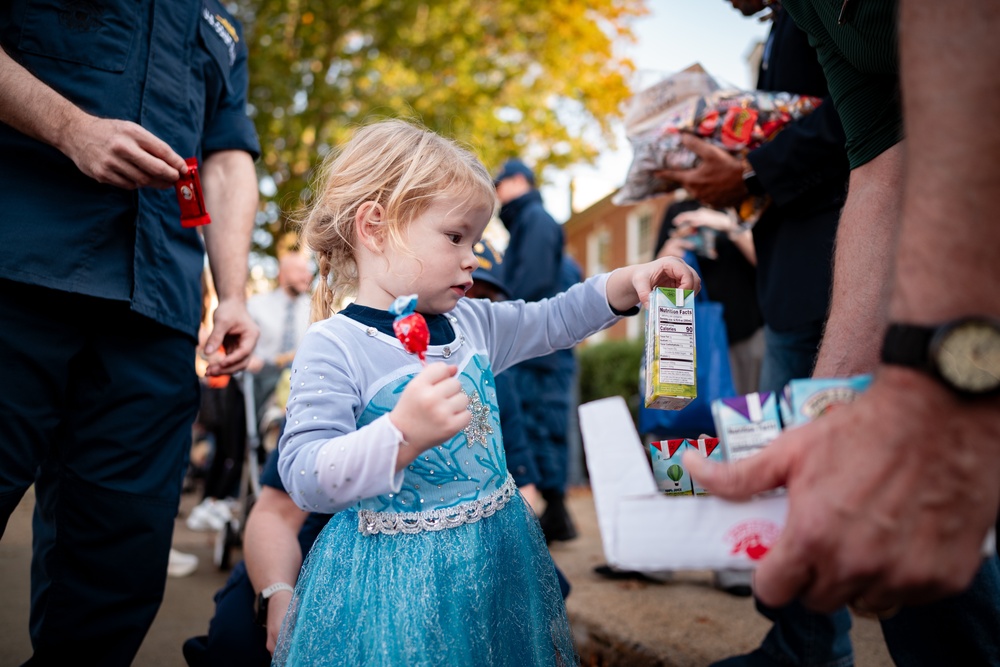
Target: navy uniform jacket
[[805, 171], [532, 263], [179, 69]]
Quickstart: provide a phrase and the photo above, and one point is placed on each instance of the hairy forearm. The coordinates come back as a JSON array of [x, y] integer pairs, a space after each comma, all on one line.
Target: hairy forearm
[[863, 268], [947, 264], [230, 185], [32, 107]]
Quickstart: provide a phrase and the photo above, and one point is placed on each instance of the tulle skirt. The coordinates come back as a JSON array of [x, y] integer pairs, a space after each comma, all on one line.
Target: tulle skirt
[[483, 593]]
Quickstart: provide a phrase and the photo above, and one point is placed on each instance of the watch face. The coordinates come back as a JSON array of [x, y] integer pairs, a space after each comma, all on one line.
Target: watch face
[[968, 356]]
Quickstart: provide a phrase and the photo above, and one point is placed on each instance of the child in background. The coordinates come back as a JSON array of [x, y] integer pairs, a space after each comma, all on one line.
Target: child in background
[[435, 558]]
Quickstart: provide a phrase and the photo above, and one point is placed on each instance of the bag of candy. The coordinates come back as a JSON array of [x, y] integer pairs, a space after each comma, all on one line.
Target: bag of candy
[[737, 121]]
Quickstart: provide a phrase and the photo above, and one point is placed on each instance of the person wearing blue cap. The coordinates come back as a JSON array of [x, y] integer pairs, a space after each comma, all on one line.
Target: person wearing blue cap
[[533, 270]]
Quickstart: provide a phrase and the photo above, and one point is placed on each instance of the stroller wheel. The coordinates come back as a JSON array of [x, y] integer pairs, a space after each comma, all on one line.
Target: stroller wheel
[[226, 540]]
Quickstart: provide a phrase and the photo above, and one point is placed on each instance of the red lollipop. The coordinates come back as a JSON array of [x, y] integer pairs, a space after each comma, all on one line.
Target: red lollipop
[[410, 326]]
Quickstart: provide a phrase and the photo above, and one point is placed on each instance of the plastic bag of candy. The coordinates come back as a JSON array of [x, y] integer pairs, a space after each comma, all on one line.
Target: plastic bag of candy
[[735, 120]]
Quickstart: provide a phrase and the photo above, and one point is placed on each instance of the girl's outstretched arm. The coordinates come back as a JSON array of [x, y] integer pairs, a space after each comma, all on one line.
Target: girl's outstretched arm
[[631, 285]]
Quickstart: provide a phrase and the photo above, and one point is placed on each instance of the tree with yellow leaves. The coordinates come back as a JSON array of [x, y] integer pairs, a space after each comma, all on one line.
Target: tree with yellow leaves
[[507, 77]]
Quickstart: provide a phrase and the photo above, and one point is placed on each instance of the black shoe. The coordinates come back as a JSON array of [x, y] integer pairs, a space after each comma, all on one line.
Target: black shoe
[[555, 520], [609, 572]]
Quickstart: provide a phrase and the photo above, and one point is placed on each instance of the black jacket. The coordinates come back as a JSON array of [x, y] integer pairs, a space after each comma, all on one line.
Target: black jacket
[[805, 171]]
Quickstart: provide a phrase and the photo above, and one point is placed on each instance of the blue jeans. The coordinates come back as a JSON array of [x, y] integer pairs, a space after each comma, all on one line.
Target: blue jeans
[[789, 355], [798, 636]]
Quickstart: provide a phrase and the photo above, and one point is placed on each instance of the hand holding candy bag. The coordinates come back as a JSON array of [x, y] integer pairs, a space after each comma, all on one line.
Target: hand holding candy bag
[[734, 120], [410, 326]]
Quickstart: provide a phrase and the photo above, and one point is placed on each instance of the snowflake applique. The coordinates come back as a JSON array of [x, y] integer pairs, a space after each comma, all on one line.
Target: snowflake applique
[[479, 426]]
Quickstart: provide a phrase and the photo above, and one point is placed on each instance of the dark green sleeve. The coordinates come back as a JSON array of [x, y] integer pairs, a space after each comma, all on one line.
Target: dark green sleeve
[[860, 60]]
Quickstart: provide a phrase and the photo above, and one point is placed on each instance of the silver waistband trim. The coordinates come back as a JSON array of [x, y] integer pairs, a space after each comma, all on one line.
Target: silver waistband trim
[[371, 522]]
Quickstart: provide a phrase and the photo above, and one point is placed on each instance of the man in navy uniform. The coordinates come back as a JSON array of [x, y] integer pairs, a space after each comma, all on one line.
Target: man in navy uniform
[[533, 270], [100, 292]]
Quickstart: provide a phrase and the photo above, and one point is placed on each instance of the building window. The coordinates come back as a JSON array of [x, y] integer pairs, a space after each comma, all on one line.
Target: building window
[[598, 251], [639, 235]]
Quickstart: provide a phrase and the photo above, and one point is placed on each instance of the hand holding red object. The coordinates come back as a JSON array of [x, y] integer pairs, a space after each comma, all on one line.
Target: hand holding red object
[[190, 198], [410, 326]]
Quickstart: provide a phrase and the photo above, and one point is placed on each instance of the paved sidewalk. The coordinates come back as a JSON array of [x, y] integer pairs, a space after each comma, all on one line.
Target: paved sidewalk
[[685, 623]]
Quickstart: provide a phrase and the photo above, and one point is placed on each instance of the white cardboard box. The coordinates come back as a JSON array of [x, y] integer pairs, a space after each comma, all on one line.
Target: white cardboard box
[[644, 530]]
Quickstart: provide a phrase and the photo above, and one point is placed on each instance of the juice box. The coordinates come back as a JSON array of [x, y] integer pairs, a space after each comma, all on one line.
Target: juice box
[[810, 398], [671, 476], [670, 349], [710, 449], [745, 424]]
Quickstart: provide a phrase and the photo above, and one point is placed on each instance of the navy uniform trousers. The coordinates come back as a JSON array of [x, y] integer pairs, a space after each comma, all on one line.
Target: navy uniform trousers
[[96, 404]]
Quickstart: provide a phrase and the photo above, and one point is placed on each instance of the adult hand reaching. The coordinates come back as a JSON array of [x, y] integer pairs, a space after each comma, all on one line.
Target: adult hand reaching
[[890, 497]]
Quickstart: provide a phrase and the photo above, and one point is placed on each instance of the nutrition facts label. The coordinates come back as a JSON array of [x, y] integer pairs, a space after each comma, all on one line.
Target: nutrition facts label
[[676, 333], [747, 439]]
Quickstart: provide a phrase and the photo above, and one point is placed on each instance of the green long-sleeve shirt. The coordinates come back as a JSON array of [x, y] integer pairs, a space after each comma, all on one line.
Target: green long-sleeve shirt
[[857, 46]]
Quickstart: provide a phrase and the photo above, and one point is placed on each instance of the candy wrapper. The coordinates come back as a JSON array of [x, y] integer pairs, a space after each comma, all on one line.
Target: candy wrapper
[[189, 197], [410, 326], [736, 121]]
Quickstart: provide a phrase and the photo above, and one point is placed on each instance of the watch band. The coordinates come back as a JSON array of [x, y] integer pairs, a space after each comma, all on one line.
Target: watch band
[[274, 588], [907, 345]]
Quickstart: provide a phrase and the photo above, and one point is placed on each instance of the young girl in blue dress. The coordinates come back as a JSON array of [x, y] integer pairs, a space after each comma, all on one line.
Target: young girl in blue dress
[[433, 557]]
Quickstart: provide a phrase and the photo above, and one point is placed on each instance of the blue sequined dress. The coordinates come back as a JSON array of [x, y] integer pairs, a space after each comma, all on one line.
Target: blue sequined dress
[[451, 567]]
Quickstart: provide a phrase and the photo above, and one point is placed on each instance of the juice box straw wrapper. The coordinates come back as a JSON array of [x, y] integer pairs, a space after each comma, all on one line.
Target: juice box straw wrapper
[[710, 448], [670, 349], [671, 476], [746, 424], [810, 398]]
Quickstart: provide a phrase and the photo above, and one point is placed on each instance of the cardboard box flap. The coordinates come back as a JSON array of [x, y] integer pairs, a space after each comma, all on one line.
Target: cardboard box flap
[[615, 471]]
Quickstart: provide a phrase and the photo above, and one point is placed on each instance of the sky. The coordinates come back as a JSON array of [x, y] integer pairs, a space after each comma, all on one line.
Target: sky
[[675, 34]]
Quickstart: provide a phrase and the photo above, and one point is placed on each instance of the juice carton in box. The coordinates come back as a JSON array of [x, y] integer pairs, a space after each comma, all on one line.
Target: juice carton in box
[[670, 349], [807, 399], [745, 424], [671, 476], [710, 449]]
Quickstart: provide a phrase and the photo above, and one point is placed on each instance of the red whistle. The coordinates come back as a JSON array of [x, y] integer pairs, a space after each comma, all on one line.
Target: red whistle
[[190, 198]]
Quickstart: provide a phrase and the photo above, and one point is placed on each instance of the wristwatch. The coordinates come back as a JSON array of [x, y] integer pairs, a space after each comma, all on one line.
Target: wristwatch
[[963, 354], [264, 596]]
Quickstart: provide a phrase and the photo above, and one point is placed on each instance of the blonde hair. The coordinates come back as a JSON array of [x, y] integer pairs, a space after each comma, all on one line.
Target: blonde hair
[[397, 165]]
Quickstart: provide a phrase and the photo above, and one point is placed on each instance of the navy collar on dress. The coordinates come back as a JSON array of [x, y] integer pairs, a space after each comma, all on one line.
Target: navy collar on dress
[[440, 328]]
